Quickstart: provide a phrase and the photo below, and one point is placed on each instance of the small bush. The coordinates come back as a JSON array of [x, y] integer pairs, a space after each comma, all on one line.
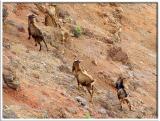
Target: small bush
[[77, 31], [87, 115]]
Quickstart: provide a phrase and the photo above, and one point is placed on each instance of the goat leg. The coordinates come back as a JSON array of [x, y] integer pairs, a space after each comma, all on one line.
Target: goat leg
[[120, 104], [128, 103], [35, 43], [84, 90], [45, 44], [29, 33], [78, 84], [29, 37], [89, 88], [92, 91], [39, 45]]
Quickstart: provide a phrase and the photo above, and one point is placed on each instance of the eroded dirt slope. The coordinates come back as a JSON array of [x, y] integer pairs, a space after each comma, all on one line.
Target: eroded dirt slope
[[48, 89]]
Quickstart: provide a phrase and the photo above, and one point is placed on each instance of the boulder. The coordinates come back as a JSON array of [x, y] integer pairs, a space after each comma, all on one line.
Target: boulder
[[117, 54], [5, 13], [8, 113], [81, 100], [11, 80]]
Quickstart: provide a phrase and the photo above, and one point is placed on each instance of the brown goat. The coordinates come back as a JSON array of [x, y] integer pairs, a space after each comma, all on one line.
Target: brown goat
[[35, 32], [121, 92], [83, 78], [51, 16]]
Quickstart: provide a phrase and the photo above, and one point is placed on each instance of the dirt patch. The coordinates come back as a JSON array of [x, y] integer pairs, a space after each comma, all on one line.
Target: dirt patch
[[21, 97]]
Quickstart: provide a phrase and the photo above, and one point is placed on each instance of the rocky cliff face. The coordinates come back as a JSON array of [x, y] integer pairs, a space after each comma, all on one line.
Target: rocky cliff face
[[114, 39]]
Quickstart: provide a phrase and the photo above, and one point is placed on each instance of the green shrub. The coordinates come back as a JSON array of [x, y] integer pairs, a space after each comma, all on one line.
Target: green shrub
[[87, 115], [77, 31]]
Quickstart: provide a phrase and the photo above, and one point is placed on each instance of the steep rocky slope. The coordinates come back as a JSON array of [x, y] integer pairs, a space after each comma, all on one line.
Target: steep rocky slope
[[48, 89]]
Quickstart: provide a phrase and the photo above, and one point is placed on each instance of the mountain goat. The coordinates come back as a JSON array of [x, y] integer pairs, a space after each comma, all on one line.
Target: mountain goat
[[121, 92], [83, 78], [35, 32]]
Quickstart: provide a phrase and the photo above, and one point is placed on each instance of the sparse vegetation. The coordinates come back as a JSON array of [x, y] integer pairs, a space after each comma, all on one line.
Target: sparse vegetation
[[77, 31], [87, 115]]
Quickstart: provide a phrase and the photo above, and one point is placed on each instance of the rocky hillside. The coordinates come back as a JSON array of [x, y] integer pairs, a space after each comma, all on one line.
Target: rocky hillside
[[114, 39]]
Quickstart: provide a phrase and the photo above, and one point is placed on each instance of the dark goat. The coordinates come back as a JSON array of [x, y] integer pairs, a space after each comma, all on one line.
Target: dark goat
[[35, 32], [121, 92]]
